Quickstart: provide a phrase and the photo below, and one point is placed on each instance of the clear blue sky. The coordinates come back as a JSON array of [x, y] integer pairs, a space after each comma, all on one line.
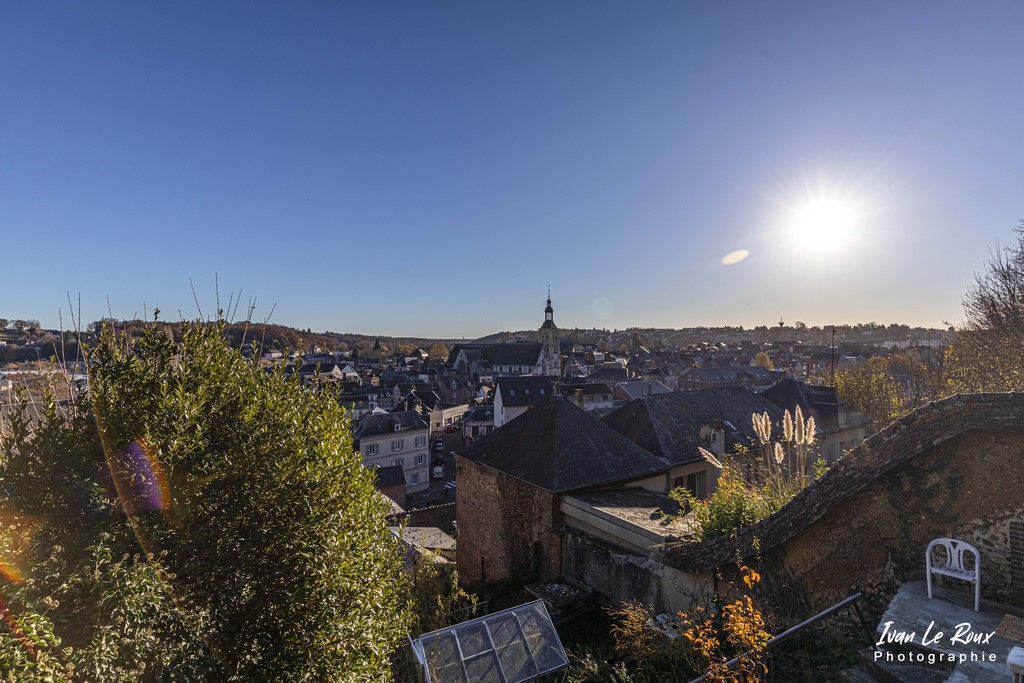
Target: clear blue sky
[[428, 168]]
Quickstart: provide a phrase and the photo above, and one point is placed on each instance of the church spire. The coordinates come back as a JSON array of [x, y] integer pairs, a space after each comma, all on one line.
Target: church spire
[[549, 339]]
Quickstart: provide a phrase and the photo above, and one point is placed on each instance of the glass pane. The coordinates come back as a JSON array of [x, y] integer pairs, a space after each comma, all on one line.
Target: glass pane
[[442, 658], [483, 669], [515, 660], [472, 639], [540, 637]]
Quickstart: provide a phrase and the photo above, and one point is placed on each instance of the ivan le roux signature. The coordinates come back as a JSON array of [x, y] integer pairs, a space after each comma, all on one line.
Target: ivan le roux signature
[[964, 635]]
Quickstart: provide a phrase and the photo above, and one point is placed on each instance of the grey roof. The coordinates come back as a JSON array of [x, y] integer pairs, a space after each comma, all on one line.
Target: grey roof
[[391, 475], [560, 447], [607, 372], [638, 388], [748, 373], [479, 414], [425, 537], [375, 425], [527, 390], [426, 398], [822, 402], [522, 353], [669, 424], [594, 389]]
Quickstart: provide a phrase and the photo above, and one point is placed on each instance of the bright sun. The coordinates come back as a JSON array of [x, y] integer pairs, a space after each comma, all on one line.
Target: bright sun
[[824, 224]]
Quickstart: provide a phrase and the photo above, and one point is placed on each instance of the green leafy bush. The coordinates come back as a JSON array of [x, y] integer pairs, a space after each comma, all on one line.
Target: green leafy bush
[[201, 520]]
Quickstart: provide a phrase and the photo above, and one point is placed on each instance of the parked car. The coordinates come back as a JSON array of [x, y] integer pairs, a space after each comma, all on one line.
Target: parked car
[[450, 429], [438, 472], [438, 459], [439, 447]]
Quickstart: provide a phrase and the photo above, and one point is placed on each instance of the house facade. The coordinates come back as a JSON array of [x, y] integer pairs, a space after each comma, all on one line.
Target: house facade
[[396, 439], [513, 396]]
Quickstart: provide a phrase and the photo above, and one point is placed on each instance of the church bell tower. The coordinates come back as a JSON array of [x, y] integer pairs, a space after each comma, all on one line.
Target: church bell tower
[[549, 338]]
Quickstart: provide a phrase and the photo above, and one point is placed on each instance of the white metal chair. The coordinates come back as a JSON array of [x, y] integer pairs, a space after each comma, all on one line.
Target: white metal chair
[[953, 564], [1015, 663]]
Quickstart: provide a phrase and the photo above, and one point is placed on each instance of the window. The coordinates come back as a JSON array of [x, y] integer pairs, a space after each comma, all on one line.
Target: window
[[371, 449], [415, 479], [398, 428], [421, 459], [421, 441], [398, 461], [397, 445]]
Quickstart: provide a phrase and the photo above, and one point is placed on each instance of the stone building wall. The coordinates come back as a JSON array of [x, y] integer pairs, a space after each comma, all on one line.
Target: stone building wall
[[991, 536], [953, 467], [506, 523]]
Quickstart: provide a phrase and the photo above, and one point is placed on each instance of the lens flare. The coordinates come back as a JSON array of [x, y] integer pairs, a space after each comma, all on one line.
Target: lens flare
[[7, 617], [734, 257], [603, 308], [139, 479], [16, 533]]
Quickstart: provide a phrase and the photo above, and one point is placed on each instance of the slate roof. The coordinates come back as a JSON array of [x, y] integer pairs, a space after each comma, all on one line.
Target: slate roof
[[608, 373], [754, 373], [638, 388], [375, 425], [479, 414], [428, 399], [391, 475], [524, 353], [560, 447], [595, 389], [527, 390], [669, 424], [822, 402]]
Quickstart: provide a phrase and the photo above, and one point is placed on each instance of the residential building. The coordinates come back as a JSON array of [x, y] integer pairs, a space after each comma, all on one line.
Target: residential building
[[838, 429], [694, 378], [513, 483], [592, 396], [513, 396], [396, 439], [676, 426], [639, 388], [477, 422]]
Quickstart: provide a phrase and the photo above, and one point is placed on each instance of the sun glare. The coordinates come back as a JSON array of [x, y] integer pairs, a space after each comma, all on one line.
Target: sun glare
[[824, 224]]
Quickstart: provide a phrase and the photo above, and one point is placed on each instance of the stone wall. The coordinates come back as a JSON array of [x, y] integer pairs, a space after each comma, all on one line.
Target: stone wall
[[620, 576], [991, 536], [506, 523], [952, 467]]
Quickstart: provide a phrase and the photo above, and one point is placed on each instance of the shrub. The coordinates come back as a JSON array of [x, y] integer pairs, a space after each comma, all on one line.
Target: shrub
[[203, 520]]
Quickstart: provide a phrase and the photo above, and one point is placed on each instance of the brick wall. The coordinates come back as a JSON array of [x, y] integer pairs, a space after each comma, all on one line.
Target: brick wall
[[955, 466], [507, 523]]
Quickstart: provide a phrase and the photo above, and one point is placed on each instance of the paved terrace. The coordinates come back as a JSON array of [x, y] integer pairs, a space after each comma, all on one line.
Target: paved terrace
[[952, 612]]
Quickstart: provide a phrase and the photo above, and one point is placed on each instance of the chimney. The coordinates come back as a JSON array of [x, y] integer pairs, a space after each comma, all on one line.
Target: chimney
[[718, 440]]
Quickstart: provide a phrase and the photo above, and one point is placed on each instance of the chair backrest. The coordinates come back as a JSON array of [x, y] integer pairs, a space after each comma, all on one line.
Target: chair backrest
[[955, 550]]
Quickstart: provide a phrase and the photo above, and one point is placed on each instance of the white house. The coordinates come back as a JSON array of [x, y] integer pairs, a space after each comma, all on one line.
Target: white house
[[396, 439]]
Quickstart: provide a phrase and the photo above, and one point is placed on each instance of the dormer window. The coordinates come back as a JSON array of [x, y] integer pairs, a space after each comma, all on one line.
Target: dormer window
[[398, 428]]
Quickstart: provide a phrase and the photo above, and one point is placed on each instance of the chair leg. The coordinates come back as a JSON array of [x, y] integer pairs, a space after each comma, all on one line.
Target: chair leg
[[928, 576]]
